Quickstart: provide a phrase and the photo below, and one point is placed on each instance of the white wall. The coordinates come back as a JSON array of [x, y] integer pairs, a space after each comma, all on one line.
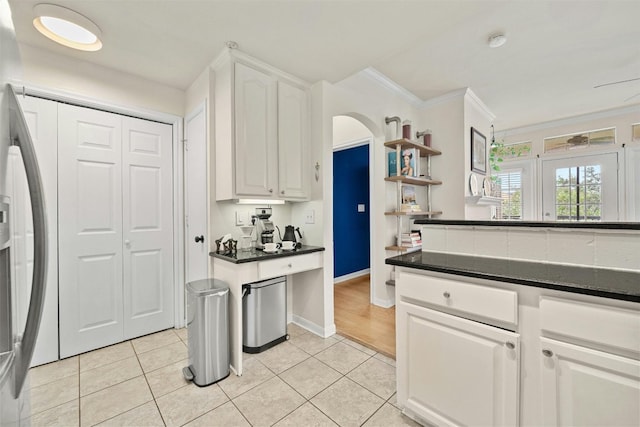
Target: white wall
[[364, 99], [445, 117], [347, 130], [44, 69], [477, 116]]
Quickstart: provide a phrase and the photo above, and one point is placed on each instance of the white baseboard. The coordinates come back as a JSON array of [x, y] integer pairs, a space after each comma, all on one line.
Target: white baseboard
[[312, 327], [350, 276], [384, 303]]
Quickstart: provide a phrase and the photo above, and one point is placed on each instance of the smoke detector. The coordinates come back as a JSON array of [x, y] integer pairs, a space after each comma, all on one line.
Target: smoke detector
[[497, 40]]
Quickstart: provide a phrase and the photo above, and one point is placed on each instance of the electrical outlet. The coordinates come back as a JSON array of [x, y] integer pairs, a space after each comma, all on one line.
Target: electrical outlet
[[241, 218], [310, 217]]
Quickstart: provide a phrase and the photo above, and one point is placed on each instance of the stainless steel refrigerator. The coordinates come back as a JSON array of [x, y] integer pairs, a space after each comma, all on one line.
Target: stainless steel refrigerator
[[17, 344]]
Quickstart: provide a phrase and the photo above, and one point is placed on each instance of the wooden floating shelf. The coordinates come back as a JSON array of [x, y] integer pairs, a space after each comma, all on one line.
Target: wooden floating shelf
[[405, 143], [412, 213], [483, 200], [403, 249], [412, 180]]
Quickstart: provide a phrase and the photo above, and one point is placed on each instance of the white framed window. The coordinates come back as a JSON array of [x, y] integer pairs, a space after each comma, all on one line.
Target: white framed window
[[510, 191], [580, 188]]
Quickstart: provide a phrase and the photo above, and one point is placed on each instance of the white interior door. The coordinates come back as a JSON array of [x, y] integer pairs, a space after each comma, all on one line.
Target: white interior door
[[90, 228], [196, 196], [581, 188], [147, 226], [42, 119]]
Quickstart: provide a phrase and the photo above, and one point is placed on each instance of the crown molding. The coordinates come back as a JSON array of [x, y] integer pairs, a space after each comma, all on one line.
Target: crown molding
[[571, 120], [392, 86], [441, 99], [481, 105], [227, 55]]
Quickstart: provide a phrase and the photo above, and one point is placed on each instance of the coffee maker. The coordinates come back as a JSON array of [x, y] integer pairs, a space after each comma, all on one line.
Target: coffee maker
[[264, 227]]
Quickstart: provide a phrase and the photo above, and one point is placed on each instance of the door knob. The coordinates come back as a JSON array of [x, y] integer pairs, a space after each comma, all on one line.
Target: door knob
[[199, 239]]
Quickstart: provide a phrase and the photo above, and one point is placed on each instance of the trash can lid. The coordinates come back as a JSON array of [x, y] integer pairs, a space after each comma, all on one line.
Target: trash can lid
[[207, 287]]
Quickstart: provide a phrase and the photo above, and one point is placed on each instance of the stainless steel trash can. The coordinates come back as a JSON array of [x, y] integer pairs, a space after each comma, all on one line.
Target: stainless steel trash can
[[208, 331], [264, 314]]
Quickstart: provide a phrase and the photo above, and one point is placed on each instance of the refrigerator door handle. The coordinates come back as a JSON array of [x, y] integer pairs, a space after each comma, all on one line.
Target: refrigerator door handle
[[21, 137]]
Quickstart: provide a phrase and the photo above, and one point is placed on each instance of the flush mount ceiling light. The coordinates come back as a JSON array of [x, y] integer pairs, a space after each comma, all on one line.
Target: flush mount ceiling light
[[67, 27], [497, 40]]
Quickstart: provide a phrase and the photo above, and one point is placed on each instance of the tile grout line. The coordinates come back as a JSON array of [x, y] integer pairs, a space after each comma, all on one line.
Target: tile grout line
[[153, 396]]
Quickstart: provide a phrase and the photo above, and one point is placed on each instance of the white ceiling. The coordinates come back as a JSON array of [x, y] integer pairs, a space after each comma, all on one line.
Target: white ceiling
[[556, 52]]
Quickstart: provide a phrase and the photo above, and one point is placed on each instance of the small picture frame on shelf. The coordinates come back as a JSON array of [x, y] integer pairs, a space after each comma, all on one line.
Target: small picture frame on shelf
[[478, 152], [410, 156], [409, 195]]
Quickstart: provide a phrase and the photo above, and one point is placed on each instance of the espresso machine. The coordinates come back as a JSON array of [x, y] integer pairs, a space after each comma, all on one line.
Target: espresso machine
[[264, 227]]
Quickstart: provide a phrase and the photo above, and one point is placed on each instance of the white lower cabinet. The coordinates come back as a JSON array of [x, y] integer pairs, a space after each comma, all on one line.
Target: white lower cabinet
[[573, 360], [589, 361], [453, 371], [585, 387]]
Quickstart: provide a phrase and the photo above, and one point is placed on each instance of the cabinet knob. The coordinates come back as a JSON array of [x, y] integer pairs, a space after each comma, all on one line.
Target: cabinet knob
[[289, 265], [127, 243], [547, 353], [271, 190], [446, 294], [510, 345], [199, 239], [282, 192]]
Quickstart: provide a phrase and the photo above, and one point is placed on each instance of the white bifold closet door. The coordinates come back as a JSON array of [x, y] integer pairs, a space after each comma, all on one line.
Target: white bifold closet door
[[115, 238]]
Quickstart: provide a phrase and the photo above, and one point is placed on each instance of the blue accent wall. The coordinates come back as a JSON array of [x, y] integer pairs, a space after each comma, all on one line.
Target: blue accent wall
[[350, 228]]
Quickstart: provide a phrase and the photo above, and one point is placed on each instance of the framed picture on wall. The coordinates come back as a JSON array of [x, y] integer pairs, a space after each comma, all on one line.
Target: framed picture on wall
[[478, 152]]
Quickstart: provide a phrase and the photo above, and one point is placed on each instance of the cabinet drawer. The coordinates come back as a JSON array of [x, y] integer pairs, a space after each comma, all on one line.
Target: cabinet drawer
[[601, 325], [289, 265], [490, 303]]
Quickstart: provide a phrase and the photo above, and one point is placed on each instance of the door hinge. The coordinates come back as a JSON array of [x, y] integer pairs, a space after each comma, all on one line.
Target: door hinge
[[186, 220], [186, 146]]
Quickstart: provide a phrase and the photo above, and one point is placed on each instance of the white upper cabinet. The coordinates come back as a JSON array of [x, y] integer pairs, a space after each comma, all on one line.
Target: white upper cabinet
[[256, 145], [293, 146], [261, 132]]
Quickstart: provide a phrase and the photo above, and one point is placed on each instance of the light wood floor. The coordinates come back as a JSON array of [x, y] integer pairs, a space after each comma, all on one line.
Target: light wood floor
[[357, 319]]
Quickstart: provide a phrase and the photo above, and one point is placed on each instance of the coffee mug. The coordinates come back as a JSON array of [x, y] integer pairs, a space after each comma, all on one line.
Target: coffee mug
[[270, 247], [288, 245]]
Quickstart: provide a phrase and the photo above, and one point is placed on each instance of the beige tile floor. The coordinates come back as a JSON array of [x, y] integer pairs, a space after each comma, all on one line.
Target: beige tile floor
[[306, 381]]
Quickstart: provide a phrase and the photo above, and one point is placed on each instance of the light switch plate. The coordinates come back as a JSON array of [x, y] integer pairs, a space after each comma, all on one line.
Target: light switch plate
[[310, 217], [241, 218]]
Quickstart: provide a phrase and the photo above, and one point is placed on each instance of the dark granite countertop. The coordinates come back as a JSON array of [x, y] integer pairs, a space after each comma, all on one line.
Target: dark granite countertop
[[257, 255], [535, 224], [601, 282]]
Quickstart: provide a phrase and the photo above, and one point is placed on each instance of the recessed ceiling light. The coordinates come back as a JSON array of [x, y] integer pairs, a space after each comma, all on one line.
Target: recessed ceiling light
[[67, 27], [497, 40]]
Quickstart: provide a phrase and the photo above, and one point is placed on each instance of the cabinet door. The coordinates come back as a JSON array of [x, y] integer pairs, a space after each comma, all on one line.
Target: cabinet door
[[90, 228], [585, 387], [256, 151], [452, 371], [147, 226], [293, 142]]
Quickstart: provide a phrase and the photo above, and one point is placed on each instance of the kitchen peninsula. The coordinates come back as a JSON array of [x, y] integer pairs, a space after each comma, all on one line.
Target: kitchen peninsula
[[250, 266], [515, 323]]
